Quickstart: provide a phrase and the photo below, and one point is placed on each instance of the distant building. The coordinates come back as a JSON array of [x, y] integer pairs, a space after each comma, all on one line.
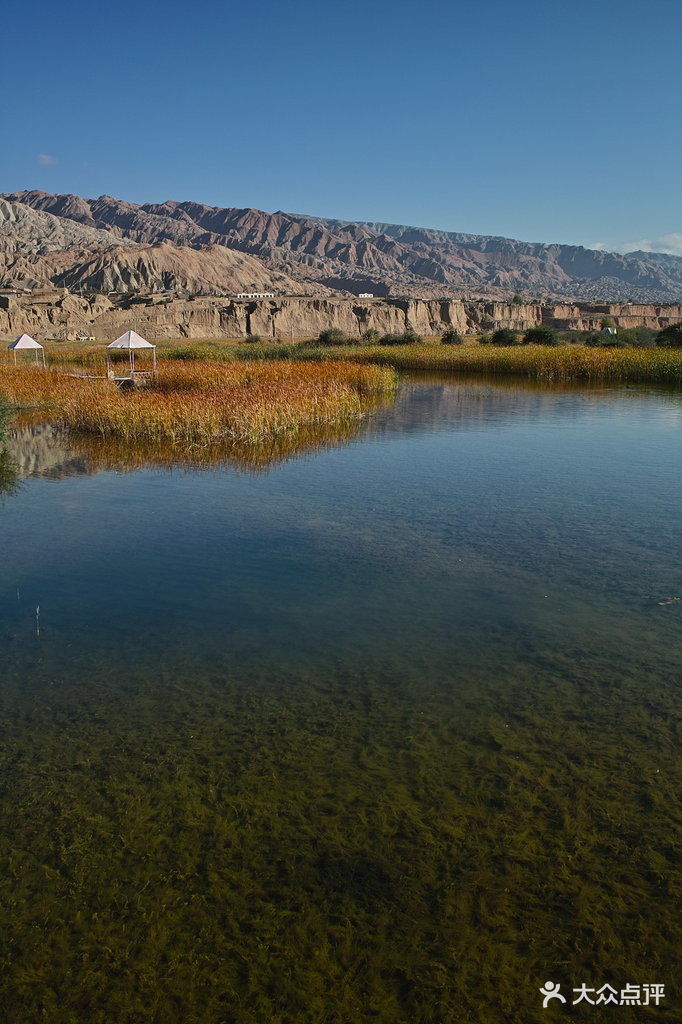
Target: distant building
[[366, 295], [608, 330], [255, 295]]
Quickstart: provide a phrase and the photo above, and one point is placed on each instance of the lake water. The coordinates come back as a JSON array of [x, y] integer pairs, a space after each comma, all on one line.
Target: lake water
[[382, 729]]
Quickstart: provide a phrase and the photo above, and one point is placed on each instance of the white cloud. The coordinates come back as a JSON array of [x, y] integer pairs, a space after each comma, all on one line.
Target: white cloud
[[671, 243], [599, 246], [45, 160]]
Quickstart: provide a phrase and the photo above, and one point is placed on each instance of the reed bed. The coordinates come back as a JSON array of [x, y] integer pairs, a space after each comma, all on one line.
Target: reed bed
[[543, 363], [200, 403]]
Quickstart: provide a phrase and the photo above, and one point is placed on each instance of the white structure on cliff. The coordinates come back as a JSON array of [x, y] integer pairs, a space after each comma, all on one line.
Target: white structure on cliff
[[255, 295]]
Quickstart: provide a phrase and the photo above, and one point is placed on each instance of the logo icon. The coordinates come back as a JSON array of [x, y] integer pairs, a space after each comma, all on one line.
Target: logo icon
[[550, 990]]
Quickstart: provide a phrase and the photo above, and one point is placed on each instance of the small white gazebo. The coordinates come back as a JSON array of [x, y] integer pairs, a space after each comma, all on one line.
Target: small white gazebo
[[25, 343], [132, 342]]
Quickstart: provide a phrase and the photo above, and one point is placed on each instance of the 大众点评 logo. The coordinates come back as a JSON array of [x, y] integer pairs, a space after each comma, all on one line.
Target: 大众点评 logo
[[630, 995]]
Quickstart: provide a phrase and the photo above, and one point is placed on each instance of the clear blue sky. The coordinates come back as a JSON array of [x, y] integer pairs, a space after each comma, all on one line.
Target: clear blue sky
[[546, 121]]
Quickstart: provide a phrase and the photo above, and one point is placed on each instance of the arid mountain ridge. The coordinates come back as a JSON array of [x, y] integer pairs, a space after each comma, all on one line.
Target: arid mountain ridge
[[200, 249]]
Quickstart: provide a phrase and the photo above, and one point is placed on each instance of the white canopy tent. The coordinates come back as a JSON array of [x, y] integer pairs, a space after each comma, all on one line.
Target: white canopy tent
[[25, 343], [132, 342]]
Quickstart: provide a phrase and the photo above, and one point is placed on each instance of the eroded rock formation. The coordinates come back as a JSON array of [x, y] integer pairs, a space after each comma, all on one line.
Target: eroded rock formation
[[60, 315]]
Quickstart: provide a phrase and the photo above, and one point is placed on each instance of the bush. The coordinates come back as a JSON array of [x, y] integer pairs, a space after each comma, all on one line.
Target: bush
[[332, 336], [518, 300], [641, 336], [670, 337], [505, 336], [605, 341], [451, 337], [254, 339], [541, 335], [484, 339], [406, 338], [371, 336]]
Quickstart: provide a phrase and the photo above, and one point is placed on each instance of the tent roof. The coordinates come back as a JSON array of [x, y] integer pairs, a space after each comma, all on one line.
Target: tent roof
[[24, 341], [130, 340]]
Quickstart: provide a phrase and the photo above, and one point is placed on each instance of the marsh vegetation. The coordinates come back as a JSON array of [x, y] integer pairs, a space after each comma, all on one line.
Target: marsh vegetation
[[204, 401], [542, 363]]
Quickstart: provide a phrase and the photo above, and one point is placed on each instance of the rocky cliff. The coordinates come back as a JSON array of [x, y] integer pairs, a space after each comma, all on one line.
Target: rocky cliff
[[60, 315]]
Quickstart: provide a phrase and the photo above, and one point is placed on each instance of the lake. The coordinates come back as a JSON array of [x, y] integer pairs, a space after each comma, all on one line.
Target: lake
[[378, 726]]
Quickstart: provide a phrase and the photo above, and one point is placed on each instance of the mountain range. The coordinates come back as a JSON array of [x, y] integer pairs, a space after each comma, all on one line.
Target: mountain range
[[107, 244]]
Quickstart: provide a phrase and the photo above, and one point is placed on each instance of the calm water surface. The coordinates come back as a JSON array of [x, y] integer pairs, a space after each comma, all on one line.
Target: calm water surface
[[382, 731]]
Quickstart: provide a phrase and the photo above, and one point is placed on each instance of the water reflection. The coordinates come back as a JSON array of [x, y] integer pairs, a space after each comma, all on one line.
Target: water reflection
[[39, 449], [9, 471], [43, 450]]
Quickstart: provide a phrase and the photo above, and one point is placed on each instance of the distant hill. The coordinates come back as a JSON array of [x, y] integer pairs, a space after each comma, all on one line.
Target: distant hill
[[212, 270], [297, 252]]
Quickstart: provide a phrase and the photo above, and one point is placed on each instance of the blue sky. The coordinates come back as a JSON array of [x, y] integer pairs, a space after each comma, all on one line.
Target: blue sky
[[546, 121]]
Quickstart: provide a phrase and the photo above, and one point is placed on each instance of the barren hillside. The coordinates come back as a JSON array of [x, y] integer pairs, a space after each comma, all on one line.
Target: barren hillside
[[311, 254]]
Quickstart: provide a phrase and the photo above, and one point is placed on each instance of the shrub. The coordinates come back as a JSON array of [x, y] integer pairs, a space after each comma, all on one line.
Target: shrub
[[332, 336], [605, 341], [505, 336], [641, 336], [451, 337], [371, 336], [541, 335], [484, 339], [406, 338], [518, 300], [255, 339], [670, 337]]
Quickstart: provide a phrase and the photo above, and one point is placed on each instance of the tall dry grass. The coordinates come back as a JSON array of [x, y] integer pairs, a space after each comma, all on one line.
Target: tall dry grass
[[199, 403], [543, 363]]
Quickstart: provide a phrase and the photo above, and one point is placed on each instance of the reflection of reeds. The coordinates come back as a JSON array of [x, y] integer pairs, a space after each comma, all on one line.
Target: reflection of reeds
[[8, 469], [8, 472], [116, 454], [203, 402]]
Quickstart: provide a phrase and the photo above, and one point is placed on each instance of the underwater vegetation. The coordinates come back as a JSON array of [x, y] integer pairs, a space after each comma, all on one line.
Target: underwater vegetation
[[192, 846], [390, 734]]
